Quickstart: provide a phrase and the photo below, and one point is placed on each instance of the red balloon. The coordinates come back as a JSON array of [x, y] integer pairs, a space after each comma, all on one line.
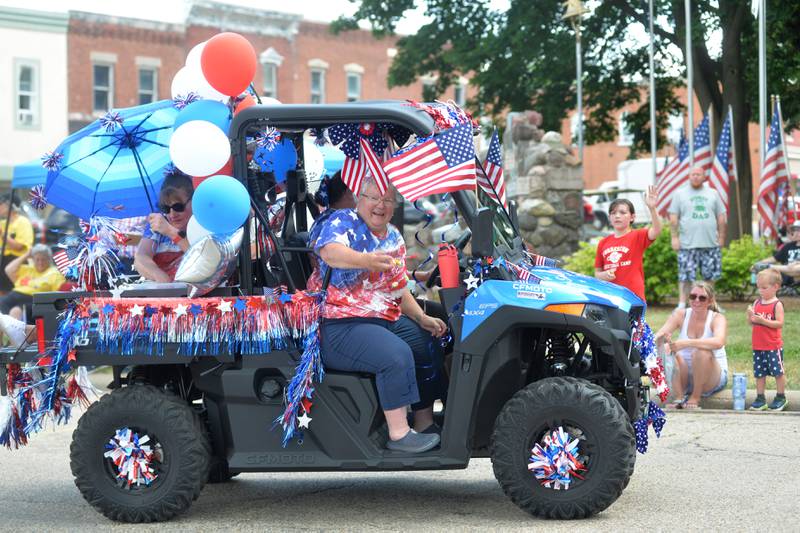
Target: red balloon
[[226, 170], [244, 104], [229, 63]]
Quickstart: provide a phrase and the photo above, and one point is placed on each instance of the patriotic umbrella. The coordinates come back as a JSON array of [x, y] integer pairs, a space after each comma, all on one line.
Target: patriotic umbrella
[[113, 167], [27, 175]]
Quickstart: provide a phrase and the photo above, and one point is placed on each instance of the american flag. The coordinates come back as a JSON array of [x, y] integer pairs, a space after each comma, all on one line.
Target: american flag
[[492, 181], [722, 168], [375, 166], [773, 175], [64, 259], [676, 174], [444, 163]]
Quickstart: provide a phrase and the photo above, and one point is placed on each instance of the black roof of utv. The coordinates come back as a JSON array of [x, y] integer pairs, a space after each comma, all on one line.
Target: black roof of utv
[[289, 116]]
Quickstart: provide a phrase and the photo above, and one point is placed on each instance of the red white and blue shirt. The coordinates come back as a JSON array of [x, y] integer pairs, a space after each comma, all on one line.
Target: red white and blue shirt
[[358, 293]]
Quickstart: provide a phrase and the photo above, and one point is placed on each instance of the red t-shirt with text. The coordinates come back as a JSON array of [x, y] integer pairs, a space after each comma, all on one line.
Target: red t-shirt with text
[[625, 255]]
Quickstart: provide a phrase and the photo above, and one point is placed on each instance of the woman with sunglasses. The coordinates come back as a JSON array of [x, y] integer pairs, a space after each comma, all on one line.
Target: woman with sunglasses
[[700, 359], [164, 241]]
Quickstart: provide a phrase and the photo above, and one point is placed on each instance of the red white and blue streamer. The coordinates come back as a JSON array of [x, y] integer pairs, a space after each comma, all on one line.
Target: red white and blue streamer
[[132, 456], [554, 461], [656, 418]]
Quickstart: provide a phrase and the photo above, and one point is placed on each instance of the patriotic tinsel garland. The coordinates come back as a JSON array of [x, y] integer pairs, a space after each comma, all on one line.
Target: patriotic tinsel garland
[[248, 325]]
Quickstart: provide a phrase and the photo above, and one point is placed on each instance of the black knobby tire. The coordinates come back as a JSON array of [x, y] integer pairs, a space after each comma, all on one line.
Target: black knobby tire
[[171, 423], [585, 410]]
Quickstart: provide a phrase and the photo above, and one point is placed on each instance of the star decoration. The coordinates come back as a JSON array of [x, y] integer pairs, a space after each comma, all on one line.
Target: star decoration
[[108, 309], [181, 310], [195, 309], [472, 282], [303, 420], [285, 298], [116, 292], [240, 305], [137, 310], [224, 306]]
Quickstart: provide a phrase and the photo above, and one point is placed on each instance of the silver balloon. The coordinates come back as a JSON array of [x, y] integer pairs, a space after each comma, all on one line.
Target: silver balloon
[[209, 262]]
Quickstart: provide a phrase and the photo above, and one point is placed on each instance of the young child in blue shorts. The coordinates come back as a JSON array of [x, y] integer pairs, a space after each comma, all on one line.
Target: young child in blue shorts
[[766, 318]]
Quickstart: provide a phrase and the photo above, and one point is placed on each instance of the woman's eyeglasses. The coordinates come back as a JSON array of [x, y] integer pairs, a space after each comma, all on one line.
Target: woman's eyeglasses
[[178, 207], [700, 297], [389, 202]]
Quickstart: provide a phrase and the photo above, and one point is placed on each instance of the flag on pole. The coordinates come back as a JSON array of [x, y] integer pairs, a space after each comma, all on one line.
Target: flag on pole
[[374, 165], [64, 259], [722, 167], [444, 163], [492, 181], [773, 175], [676, 174]]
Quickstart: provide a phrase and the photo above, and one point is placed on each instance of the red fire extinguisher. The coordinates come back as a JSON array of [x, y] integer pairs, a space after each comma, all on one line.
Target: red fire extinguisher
[[448, 265]]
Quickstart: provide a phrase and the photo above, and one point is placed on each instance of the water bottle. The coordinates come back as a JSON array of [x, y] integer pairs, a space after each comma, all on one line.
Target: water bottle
[[739, 390]]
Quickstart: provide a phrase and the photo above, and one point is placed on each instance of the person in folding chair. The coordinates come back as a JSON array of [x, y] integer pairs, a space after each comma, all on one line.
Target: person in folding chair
[[40, 275]]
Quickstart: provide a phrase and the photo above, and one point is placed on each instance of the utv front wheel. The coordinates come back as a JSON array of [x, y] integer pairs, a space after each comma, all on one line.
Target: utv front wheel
[[165, 430], [605, 449]]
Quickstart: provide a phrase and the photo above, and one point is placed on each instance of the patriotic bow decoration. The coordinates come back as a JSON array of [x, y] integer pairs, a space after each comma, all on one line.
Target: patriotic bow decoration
[[644, 342], [656, 418], [361, 144]]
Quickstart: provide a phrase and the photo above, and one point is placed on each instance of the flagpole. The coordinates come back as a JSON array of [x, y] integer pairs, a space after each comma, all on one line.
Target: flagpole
[[689, 78], [735, 172], [762, 78], [653, 140]]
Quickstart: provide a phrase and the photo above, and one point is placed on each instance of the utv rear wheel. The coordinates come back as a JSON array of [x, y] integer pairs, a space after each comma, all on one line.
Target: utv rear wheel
[[180, 458], [606, 447]]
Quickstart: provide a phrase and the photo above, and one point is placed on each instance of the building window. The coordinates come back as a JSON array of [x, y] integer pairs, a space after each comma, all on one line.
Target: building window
[[573, 127], [148, 85], [317, 86], [102, 88], [27, 98], [270, 80], [675, 129], [353, 86], [624, 131]]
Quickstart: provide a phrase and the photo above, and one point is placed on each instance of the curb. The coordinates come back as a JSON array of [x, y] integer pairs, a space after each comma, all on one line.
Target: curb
[[723, 400]]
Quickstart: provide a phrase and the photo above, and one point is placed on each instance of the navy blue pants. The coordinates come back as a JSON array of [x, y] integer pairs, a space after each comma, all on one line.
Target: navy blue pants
[[406, 359]]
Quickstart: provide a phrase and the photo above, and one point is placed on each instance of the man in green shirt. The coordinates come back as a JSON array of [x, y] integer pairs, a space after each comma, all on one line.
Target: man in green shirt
[[697, 219]]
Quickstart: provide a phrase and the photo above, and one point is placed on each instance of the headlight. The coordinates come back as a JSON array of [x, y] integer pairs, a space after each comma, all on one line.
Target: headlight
[[596, 313]]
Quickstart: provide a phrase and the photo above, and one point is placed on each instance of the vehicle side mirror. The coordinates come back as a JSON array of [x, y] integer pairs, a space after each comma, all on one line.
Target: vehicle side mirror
[[483, 233]]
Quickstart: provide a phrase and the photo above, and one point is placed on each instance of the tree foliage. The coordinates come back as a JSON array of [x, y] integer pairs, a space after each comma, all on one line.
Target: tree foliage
[[524, 58]]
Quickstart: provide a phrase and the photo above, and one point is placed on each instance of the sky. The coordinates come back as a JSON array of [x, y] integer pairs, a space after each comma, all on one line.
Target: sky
[[175, 10]]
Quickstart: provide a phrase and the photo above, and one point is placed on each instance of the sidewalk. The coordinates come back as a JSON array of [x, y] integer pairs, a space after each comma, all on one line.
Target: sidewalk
[[723, 400]]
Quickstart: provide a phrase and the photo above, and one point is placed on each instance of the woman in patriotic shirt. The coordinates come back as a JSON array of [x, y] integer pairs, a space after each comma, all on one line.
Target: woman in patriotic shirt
[[362, 328]]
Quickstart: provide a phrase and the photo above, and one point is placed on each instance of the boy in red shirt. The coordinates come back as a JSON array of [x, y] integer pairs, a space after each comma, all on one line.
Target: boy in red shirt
[[766, 317], [619, 256]]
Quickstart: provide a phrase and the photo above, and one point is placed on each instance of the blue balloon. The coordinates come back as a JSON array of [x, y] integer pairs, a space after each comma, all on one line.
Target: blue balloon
[[214, 112], [221, 204], [280, 160]]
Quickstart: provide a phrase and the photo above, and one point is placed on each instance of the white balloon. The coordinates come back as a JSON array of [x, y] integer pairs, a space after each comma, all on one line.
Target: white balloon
[[314, 161], [193, 57], [199, 148], [194, 231], [190, 79]]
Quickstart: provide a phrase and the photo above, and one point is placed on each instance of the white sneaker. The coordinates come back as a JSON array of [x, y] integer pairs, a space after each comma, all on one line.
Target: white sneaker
[[14, 329]]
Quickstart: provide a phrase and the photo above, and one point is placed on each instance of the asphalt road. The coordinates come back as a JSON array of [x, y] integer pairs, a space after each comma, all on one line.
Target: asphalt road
[[709, 470]]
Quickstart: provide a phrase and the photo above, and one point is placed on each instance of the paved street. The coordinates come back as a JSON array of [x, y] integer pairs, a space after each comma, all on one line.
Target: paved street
[[703, 473]]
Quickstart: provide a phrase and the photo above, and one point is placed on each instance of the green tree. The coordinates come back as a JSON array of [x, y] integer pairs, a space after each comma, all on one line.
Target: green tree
[[524, 58]]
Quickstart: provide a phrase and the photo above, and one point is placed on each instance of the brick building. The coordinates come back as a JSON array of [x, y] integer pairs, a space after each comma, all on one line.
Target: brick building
[[121, 62]]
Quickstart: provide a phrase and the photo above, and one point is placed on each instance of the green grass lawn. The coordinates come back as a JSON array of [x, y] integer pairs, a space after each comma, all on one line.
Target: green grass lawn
[[739, 349]]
